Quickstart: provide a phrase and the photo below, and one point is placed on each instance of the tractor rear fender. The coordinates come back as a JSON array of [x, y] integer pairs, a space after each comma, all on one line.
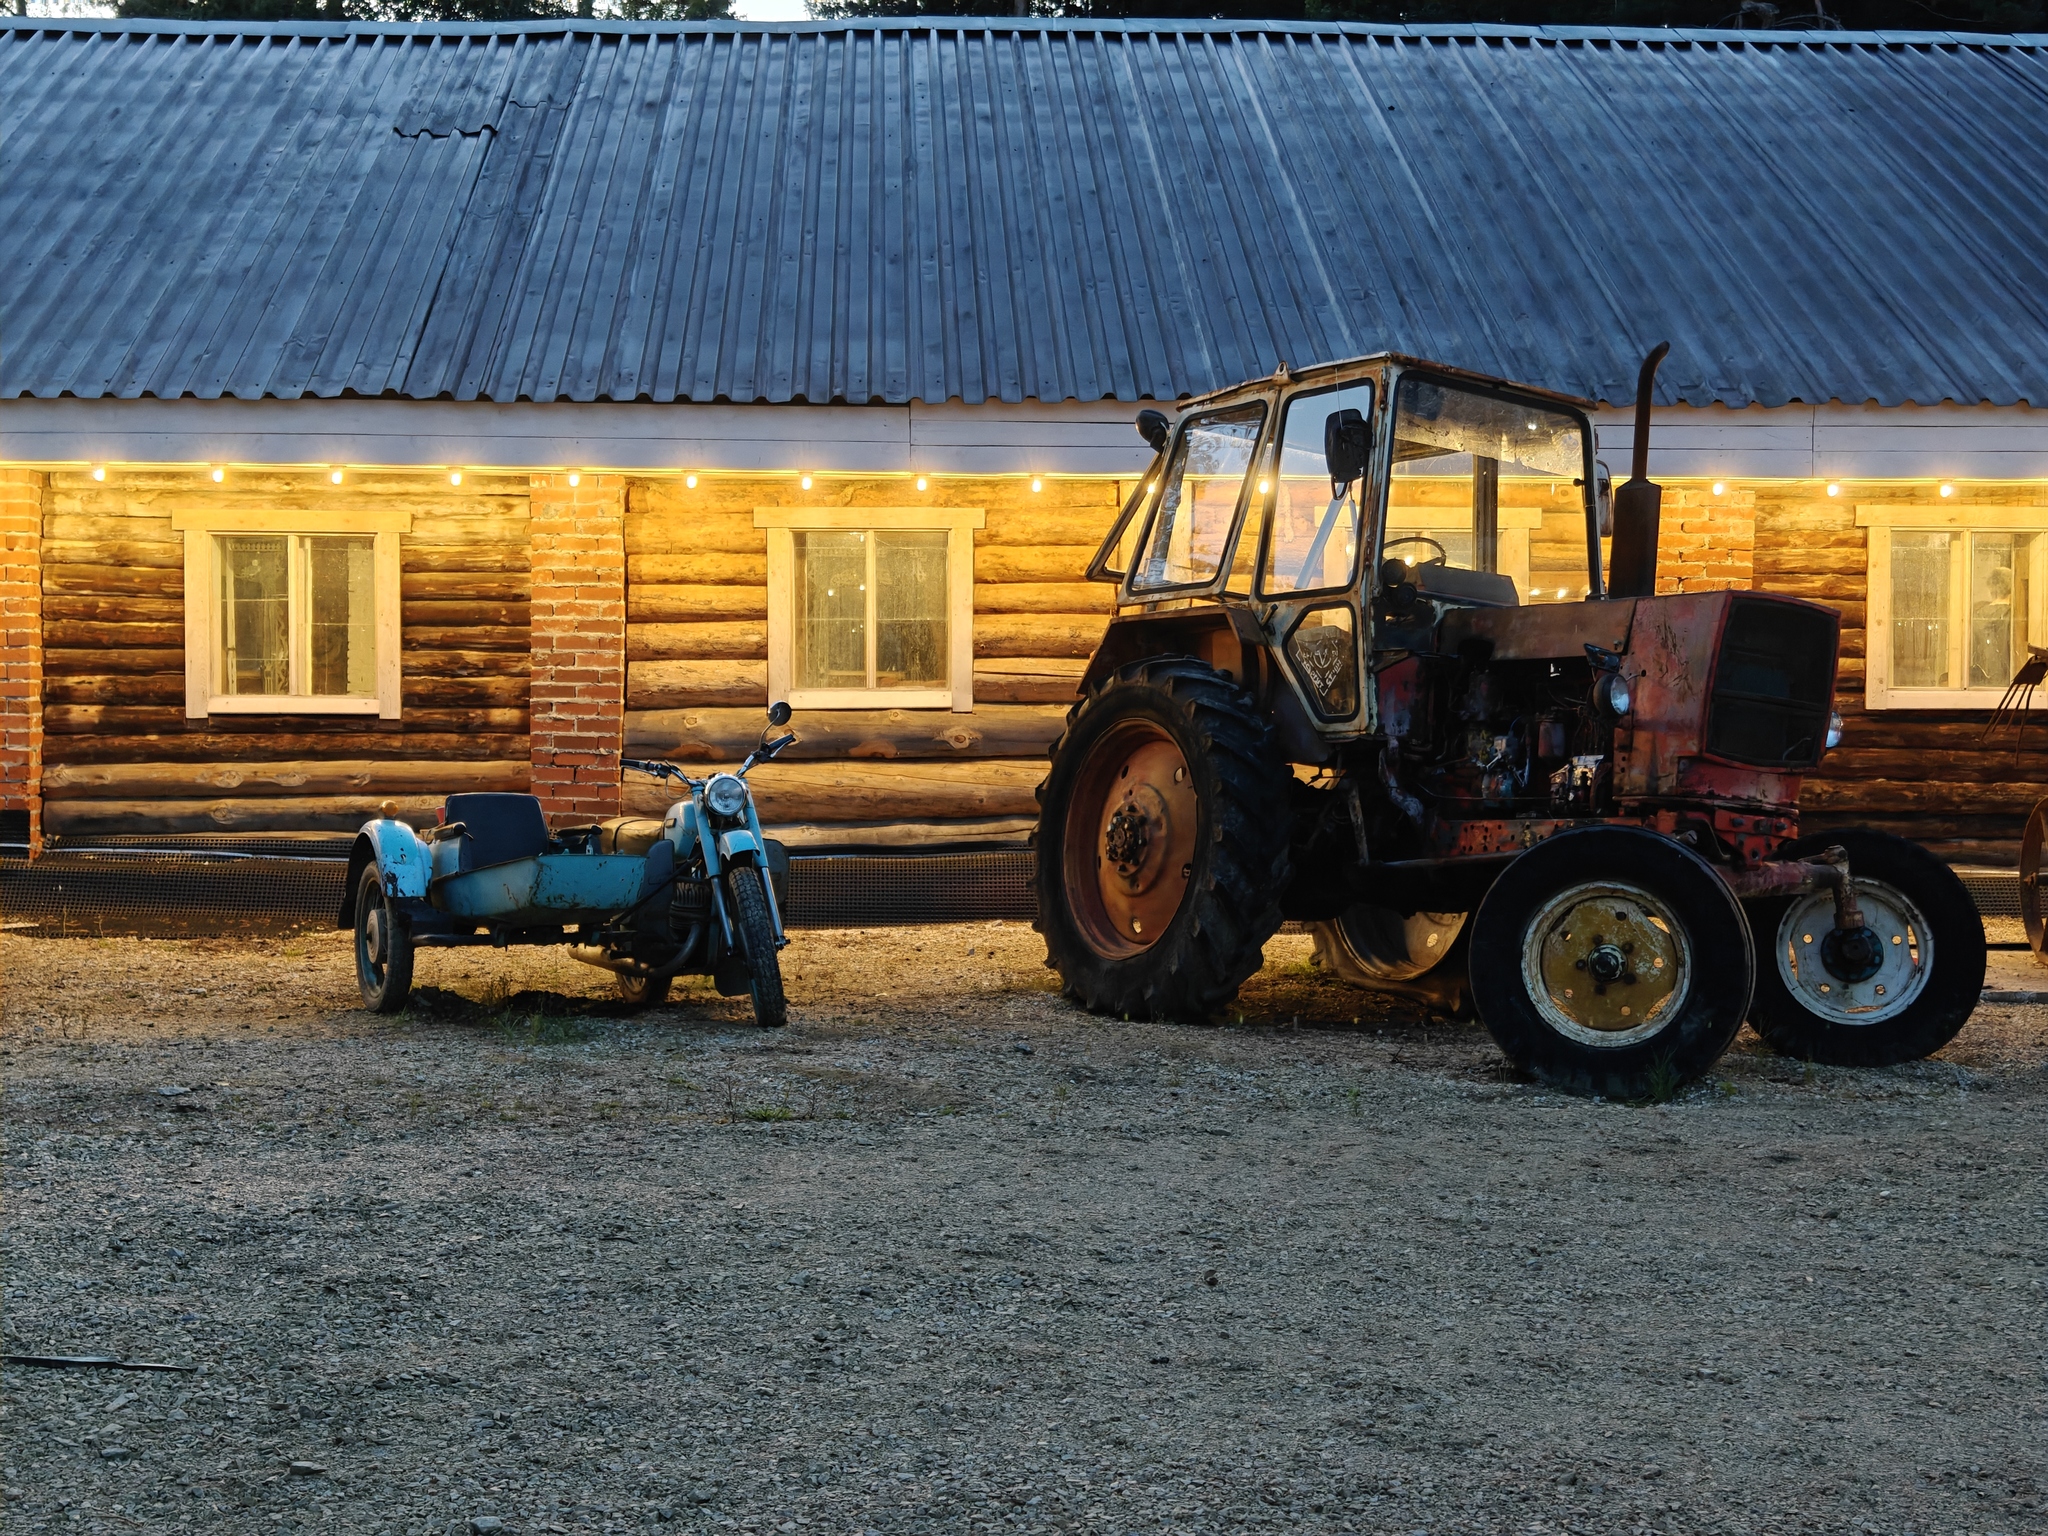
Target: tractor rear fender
[[1205, 633], [403, 862]]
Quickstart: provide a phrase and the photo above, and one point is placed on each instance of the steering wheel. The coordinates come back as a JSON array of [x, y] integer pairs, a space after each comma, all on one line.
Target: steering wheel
[[1442, 556]]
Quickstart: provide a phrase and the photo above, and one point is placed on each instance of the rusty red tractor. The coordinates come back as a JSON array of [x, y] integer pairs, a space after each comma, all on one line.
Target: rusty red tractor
[[1326, 697]]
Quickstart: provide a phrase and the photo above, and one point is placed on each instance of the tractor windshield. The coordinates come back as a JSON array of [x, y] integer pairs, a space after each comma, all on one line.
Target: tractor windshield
[[1198, 498], [1478, 479]]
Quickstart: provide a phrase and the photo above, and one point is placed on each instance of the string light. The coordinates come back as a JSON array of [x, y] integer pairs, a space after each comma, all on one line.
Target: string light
[[690, 481], [219, 474], [1947, 489], [1834, 489], [1262, 487], [334, 477], [455, 477], [1037, 484], [805, 482], [99, 471], [922, 482], [1720, 488], [575, 479]]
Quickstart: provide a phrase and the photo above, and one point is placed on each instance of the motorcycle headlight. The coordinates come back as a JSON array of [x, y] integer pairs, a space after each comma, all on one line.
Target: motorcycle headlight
[[726, 794], [1612, 694], [1834, 729]]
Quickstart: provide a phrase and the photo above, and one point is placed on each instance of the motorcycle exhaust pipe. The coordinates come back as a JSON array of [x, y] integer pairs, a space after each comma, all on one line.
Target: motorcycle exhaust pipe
[[1632, 564]]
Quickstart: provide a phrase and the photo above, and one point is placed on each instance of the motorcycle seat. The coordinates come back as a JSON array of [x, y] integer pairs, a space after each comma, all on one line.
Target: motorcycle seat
[[497, 829]]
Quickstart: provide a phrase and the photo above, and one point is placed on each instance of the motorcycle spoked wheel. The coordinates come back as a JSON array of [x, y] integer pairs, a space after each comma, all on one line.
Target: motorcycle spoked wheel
[[755, 931]]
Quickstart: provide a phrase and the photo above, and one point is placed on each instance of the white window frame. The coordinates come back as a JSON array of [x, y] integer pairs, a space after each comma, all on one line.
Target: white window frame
[[1880, 523], [958, 523], [202, 586]]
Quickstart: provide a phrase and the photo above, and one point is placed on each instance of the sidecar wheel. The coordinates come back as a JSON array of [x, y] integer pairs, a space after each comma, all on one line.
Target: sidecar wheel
[[383, 948], [643, 991]]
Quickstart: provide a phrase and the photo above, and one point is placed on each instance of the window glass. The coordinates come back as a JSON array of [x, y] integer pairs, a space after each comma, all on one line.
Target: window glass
[[1460, 457], [1315, 535], [831, 609], [1201, 488], [255, 615], [1920, 609], [1999, 600], [910, 610], [341, 606]]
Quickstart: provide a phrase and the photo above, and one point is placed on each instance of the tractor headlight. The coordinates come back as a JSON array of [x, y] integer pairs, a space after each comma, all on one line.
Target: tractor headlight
[[1612, 694], [1834, 729], [726, 794]]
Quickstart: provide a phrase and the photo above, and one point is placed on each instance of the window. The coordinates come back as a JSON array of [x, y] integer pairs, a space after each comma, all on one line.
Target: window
[[283, 620], [1201, 489], [1472, 474], [1313, 535], [871, 606], [1956, 600]]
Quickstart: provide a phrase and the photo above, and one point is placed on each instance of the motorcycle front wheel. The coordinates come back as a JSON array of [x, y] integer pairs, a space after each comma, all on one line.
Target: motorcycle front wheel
[[755, 931]]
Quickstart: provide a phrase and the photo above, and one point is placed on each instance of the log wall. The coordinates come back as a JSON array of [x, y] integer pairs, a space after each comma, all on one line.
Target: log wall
[[120, 754], [697, 650]]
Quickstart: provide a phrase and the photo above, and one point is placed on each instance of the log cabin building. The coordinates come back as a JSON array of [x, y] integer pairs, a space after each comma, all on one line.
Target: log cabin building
[[390, 410]]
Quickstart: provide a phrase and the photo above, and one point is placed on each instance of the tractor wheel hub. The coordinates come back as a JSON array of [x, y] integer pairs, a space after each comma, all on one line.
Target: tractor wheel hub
[[1852, 954]]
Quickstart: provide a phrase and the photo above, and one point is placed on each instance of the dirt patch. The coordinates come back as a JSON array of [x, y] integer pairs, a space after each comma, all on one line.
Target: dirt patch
[[946, 1254]]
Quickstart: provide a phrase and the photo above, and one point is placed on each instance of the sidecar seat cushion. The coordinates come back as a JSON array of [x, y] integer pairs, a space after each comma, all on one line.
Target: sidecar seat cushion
[[628, 834], [499, 828]]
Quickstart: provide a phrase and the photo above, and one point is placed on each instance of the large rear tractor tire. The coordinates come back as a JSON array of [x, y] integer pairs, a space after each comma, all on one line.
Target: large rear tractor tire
[[1896, 991], [1612, 961], [383, 947], [1162, 843]]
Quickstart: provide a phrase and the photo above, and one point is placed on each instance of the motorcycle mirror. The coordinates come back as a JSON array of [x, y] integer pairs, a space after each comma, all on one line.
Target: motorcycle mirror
[[1155, 429], [778, 713], [1344, 447]]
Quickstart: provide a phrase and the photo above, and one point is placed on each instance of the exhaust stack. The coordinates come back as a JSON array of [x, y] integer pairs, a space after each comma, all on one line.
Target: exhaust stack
[[1632, 566]]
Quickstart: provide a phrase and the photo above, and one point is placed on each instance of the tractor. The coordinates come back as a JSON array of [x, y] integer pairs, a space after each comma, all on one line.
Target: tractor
[[1322, 699]]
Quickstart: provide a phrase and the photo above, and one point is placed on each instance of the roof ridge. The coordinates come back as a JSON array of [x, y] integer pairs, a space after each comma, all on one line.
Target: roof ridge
[[1139, 27]]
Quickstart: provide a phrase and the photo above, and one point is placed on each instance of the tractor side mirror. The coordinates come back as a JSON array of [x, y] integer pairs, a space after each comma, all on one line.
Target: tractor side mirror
[[1603, 498], [1345, 447], [1155, 429], [778, 713]]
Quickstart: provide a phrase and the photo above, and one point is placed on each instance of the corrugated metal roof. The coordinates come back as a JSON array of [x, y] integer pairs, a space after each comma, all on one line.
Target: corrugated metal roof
[[966, 210]]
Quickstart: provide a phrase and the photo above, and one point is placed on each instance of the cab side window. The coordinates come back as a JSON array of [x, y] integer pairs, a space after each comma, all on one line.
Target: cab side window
[[1200, 492], [1316, 527]]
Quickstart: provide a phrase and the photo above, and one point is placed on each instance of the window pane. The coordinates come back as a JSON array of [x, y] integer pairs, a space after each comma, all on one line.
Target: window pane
[[831, 609], [1920, 610], [1997, 609], [341, 609], [1199, 502], [255, 598], [1314, 542], [910, 610]]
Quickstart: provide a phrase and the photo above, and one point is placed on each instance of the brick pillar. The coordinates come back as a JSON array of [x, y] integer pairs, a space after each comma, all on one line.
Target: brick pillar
[[579, 644], [1706, 543], [21, 648]]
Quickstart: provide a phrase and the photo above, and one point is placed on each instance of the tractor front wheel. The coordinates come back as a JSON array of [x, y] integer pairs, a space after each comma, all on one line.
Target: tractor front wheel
[[1895, 990], [1612, 961], [1162, 843]]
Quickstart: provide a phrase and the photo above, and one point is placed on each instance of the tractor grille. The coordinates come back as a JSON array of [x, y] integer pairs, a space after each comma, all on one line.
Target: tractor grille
[[1773, 684]]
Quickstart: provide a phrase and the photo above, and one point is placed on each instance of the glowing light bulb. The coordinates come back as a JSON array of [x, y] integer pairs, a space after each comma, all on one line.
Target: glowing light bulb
[[1411, 560], [575, 479], [1948, 490], [219, 474], [1037, 484], [805, 482], [1262, 487], [99, 471], [922, 482], [1834, 489], [690, 481], [1720, 488], [334, 477], [455, 477]]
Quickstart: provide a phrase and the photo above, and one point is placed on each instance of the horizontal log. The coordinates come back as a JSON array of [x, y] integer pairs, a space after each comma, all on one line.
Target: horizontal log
[[193, 781], [71, 527], [1027, 680], [207, 746], [1892, 797], [721, 735], [1993, 765], [1048, 562], [655, 604], [683, 531], [1798, 519], [125, 688], [469, 663], [422, 640], [469, 692], [467, 586], [81, 633], [930, 836], [165, 554], [308, 813], [680, 684], [114, 580], [740, 641], [703, 568], [1070, 597], [497, 614], [99, 663], [80, 608], [1035, 635], [415, 556], [912, 791], [1044, 525], [1831, 587]]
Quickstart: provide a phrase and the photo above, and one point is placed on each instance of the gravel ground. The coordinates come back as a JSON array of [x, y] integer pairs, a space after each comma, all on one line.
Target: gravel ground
[[946, 1255]]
